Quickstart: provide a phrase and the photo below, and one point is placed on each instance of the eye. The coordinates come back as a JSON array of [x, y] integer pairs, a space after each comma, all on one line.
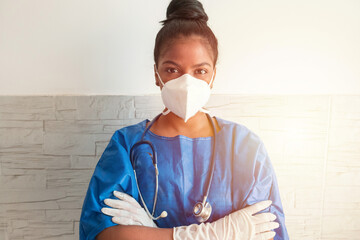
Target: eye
[[201, 71], [172, 70]]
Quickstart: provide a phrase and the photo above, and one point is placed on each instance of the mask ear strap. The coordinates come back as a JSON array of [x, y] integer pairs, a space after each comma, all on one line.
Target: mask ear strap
[[212, 78], [158, 75], [166, 112], [204, 110]]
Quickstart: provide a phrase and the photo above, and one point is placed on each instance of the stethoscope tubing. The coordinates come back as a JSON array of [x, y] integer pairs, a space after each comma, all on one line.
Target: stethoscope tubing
[[154, 160], [212, 160]]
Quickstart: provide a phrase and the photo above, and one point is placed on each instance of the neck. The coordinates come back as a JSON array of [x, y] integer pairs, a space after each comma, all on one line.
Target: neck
[[172, 125]]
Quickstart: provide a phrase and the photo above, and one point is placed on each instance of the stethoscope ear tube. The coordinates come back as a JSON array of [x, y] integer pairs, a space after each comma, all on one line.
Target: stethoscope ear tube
[[163, 213]]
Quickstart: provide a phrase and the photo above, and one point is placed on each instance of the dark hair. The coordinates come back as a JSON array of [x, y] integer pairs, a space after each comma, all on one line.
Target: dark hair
[[185, 18]]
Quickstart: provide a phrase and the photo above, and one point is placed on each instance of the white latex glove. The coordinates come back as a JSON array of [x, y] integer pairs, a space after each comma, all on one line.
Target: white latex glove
[[240, 225], [127, 211]]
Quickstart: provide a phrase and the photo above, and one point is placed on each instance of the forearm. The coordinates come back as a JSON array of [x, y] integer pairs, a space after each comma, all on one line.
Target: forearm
[[132, 232]]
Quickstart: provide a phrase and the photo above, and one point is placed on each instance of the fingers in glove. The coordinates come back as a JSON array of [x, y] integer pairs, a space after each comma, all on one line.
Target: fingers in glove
[[108, 211], [264, 236], [257, 207], [137, 216], [119, 212], [120, 204], [264, 227], [125, 221], [114, 212], [263, 217], [127, 198], [125, 206]]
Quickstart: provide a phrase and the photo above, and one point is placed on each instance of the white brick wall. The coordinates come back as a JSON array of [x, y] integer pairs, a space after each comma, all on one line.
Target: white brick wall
[[49, 146]]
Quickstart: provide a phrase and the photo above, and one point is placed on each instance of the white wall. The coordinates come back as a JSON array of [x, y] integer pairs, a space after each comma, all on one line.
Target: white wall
[[49, 147], [105, 47]]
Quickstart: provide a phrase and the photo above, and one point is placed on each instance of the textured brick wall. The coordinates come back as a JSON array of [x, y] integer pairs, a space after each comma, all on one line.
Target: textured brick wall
[[50, 145]]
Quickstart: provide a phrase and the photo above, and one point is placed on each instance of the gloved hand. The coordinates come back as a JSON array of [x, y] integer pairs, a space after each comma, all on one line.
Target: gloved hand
[[237, 225], [127, 211]]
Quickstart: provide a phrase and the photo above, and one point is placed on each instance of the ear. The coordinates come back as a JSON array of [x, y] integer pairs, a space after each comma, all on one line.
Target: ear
[[157, 81], [211, 86]]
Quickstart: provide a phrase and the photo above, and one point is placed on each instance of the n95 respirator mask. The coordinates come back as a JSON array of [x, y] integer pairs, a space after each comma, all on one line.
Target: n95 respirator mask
[[185, 95]]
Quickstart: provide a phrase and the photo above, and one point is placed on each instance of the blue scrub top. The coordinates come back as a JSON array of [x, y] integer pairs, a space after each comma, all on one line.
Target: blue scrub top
[[243, 176]]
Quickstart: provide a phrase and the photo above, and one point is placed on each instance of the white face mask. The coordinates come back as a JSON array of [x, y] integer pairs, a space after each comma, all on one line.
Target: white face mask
[[185, 95]]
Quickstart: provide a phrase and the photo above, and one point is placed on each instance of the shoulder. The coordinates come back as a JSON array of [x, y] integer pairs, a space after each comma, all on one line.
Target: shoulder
[[129, 134], [246, 146], [239, 132], [248, 151], [132, 129], [120, 143]]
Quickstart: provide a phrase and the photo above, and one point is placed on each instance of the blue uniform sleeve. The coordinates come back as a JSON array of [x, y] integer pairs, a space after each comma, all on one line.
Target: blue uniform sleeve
[[265, 187], [112, 172]]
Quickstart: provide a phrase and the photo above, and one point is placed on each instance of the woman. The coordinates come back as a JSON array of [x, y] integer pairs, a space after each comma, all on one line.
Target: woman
[[187, 142]]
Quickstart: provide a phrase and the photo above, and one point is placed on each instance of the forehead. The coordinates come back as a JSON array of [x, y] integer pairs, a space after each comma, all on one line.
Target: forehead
[[187, 50]]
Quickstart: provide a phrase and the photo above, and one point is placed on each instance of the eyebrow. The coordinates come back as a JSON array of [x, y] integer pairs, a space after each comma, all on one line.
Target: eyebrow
[[202, 64], [171, 62], [196, 65]]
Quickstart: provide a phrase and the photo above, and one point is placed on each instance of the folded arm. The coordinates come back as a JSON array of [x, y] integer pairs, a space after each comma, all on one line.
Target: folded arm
[[132, 232], [135, 223]]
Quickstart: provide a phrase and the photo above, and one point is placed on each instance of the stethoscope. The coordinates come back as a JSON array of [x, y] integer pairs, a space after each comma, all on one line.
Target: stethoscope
[[202, 210]]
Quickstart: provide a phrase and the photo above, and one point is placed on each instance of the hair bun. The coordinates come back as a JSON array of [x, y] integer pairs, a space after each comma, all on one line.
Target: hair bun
[[185, 9]]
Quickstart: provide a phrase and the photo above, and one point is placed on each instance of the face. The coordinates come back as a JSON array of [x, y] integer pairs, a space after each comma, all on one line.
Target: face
[[190, 55]]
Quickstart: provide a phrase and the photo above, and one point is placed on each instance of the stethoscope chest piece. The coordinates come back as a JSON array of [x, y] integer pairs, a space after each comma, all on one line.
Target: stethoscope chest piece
[[202, 212]]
